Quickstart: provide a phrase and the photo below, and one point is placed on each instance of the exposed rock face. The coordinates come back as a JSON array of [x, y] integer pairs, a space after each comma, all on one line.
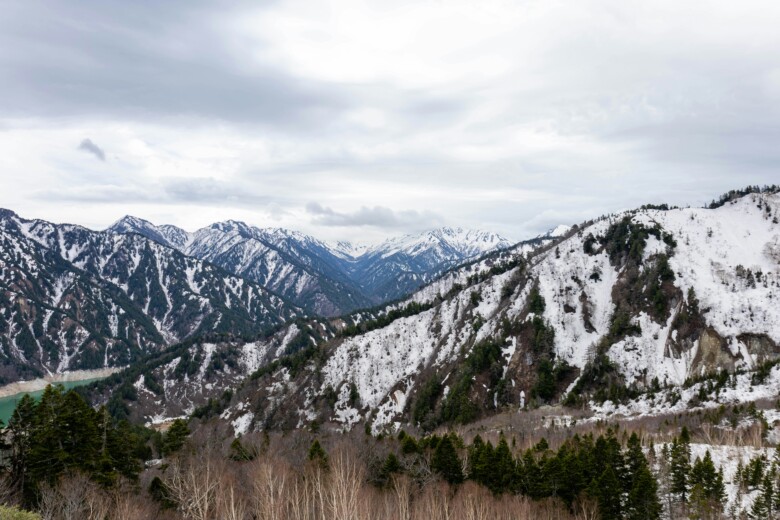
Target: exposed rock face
[[645, 299], [760, 346], [712, 354]]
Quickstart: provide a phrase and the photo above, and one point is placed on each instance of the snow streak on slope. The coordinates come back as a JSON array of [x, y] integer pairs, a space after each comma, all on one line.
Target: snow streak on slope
[[83, 299], [727, 256], [325, 279]]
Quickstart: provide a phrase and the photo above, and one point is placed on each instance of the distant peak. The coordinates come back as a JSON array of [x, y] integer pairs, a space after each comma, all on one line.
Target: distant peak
[[7, 213], [129, 223], [558, 231], [230, 225]]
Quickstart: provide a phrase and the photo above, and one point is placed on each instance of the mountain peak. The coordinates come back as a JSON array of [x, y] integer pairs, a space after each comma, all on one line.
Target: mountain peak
[[129, 223], [7, 213], [167, 234], [457, 243], [556, 232]]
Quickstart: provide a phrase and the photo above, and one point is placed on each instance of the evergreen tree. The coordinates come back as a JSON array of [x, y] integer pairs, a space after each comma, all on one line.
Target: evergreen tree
[[679, 467], [390, 466], [409, 445], [607, 491], [20, 429], [708, 481], [318, 455], [643, 503], [504, 468], [239, 452], [529, 476], [161, 494], [635, 458], [174, 438], [766, 503], [554, 476], [480, 460], [62, 433], [446, 462]]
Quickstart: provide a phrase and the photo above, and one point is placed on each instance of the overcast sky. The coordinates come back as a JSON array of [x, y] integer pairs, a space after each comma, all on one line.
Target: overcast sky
[[359, 120]]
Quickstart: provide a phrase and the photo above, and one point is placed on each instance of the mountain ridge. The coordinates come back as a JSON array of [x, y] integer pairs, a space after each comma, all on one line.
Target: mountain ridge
[[327, 279], [72, 298], [632, 313]]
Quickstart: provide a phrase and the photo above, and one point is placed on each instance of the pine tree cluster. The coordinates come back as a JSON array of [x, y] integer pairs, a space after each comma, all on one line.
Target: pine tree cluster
[[597, 469], [62, 434]]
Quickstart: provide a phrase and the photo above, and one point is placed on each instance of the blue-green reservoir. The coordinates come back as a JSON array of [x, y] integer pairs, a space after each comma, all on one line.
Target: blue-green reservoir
[[8, 404]]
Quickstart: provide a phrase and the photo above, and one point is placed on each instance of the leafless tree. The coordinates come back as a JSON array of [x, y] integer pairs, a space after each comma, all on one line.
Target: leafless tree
[[346, 478], [270, 489], [74, 497], [193, 485], [8, 493]]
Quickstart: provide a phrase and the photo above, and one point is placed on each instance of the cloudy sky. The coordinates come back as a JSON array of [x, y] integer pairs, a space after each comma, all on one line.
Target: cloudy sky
[[358, 119]]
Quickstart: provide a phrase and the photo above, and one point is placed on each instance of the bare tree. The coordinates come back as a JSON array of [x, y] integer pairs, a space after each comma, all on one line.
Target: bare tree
[[270, 485], [401, 492], [434, 503], [193, 486], [346, 478], [8, 493], [74, 497], [128, 505], [586, 509], [231, 504]]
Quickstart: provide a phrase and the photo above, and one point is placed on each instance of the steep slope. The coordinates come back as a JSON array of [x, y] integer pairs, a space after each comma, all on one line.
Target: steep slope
[[631, 306], [399, 266], [326, 280], [296, 266], [299, 268], [73, 298], [198, 376]]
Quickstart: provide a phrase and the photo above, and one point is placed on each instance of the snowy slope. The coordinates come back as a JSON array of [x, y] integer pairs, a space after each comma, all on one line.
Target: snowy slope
[[186, 376], [729, 257], [74, 298], [295, 266], [325, 279], [399, 266]]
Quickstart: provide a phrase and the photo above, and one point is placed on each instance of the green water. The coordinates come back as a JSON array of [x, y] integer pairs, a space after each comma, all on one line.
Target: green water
[[8, 404]]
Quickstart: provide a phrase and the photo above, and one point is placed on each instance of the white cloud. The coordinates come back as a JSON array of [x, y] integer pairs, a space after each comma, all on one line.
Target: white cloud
[[497, 114]]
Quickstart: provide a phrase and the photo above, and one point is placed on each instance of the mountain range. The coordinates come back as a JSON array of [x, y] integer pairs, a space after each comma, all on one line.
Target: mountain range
[[636, 313], [324, 279], [73, 298]]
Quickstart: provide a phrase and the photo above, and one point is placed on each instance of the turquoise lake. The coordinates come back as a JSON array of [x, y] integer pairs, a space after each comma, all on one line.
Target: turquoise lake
[[8, 404]]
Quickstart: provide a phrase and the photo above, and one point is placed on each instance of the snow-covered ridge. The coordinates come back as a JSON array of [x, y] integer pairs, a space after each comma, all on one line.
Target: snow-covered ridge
[[728, 257], [326, 279], [466, 243], [80, 299]]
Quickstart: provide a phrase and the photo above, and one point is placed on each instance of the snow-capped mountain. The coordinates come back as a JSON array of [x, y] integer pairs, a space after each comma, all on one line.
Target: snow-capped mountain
[[556, 232], [193, 376], [401, 265], [327, 280], [398, 266], [168, 235], [296, 266], [638, 312], [71, 298]]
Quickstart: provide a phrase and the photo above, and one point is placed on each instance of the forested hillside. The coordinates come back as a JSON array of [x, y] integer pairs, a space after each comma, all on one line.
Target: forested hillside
[[71, 298]]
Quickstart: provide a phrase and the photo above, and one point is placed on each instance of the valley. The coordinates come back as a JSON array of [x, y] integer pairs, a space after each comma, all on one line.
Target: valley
[[642, 322]]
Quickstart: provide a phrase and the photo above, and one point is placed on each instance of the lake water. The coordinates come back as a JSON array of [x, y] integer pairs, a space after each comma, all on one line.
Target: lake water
[[8, 404]]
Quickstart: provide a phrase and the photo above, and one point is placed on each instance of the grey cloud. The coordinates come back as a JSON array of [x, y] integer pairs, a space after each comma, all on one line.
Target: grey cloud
[[212, 191], [200, 191], [88, 146], [144, 61], [600, 119], [377, 216]]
